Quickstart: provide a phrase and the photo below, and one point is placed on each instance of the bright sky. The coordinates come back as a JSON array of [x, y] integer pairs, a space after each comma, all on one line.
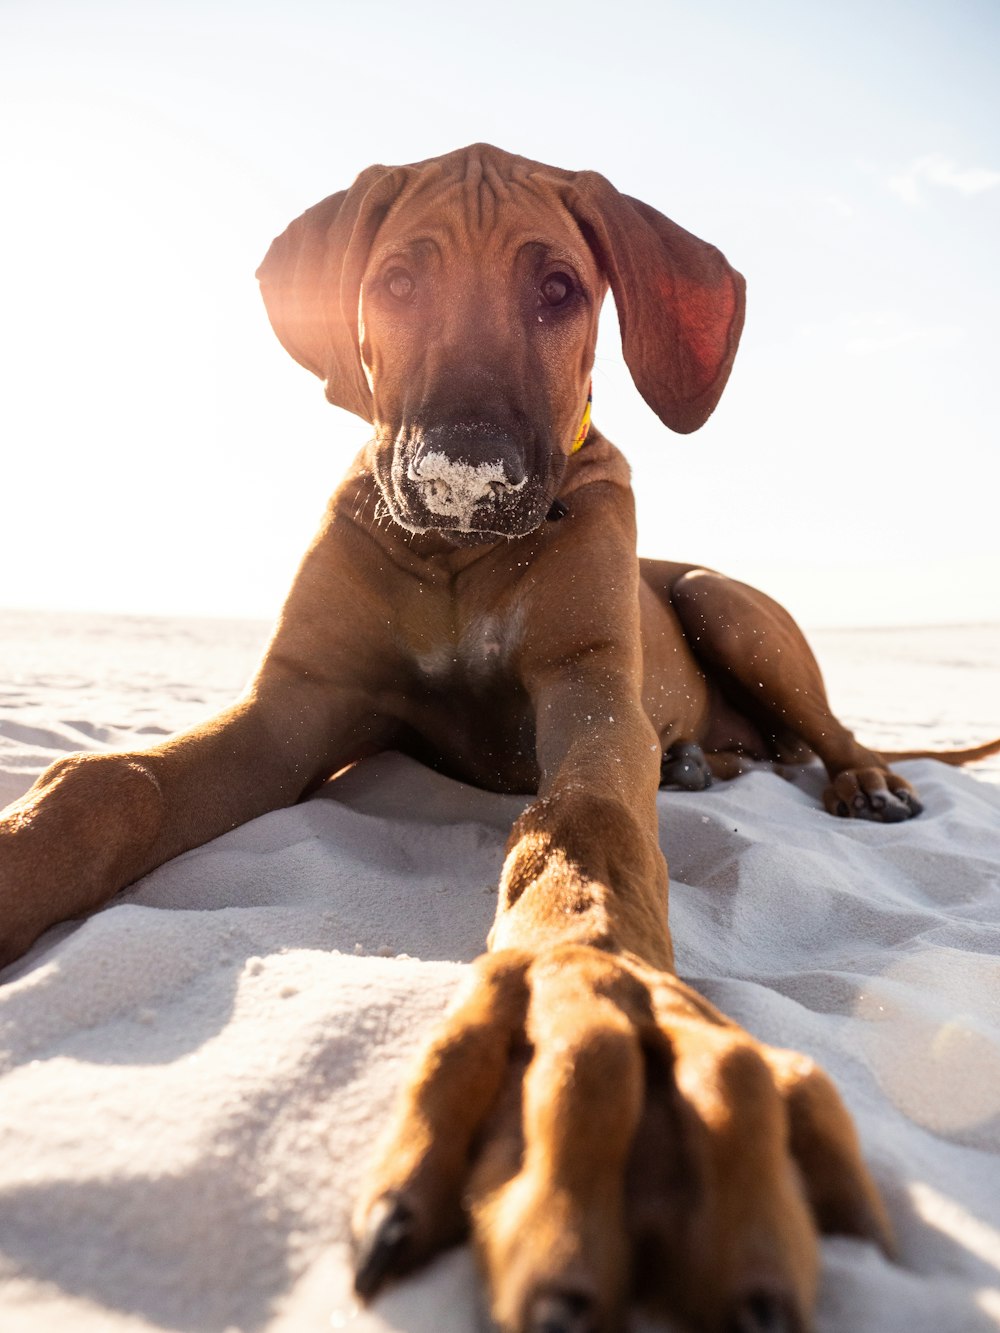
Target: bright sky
[[160, 451]]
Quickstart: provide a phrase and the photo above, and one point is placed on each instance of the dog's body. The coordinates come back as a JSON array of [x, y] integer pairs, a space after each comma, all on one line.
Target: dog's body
[[474, 599]]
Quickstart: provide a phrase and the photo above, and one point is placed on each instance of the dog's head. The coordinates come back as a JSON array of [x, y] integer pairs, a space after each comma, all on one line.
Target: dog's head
[[454, 304]]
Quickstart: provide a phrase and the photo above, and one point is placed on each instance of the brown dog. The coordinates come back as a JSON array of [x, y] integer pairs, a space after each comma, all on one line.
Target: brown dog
[[474, 599]]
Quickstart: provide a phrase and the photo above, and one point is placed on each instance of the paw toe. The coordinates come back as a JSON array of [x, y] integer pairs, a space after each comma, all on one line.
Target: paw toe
[[382, 1249], [891, 810], [910, 800], [766, 1312], [562, 1312]]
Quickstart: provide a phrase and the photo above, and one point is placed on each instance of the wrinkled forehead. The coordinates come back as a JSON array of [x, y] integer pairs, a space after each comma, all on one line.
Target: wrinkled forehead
[[484, 214]]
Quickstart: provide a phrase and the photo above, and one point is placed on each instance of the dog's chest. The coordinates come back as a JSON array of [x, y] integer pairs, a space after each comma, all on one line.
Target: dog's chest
[[465, 704], [470, 656]]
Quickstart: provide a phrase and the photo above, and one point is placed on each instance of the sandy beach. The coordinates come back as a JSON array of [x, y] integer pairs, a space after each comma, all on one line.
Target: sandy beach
[[190, 1080]]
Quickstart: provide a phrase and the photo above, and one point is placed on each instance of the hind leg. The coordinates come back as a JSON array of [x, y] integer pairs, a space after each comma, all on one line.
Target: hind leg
[[753, 644]]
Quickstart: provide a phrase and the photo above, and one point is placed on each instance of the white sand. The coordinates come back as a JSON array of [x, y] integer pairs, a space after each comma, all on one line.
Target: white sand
[[190, 1080]]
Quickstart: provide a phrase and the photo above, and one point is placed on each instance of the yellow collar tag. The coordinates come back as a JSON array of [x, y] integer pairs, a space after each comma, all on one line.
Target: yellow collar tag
[[584, 431]]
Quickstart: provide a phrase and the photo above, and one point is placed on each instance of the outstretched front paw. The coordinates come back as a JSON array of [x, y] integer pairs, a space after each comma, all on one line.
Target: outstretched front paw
[[607, 1136]]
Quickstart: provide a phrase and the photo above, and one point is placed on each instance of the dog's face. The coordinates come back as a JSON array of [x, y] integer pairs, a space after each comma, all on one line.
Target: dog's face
[[478, 319], [454, 304]]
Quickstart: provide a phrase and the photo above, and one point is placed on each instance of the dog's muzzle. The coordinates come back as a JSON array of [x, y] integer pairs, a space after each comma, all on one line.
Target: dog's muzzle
[[454, 489], [466, 477]]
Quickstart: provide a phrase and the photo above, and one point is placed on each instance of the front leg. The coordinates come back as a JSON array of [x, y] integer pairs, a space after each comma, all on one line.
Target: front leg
[[93, 823], [602, 1132], [583, 862]]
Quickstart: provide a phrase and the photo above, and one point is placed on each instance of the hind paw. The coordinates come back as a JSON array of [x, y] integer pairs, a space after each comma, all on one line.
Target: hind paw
[[871, 793], [684, 766]]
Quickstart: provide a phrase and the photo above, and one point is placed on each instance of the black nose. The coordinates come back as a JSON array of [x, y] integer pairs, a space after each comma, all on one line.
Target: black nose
[[464, 470], [480, 445]]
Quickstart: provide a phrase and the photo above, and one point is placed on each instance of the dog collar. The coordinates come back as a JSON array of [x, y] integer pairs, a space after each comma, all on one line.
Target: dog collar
[[584, 431]]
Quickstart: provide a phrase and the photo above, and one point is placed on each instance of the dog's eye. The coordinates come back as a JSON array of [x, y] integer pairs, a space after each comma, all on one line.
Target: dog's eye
[[556, 289], [400, 285]]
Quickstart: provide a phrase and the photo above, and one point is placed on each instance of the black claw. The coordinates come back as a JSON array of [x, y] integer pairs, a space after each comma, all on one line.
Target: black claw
[[843, 809], [561, 1312], [765, 1312], [895, 812], [914, 806], [383, 1246]]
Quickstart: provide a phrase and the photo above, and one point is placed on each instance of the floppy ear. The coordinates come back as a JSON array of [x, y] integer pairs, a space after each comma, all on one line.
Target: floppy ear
[[311, 282], [680, 305]]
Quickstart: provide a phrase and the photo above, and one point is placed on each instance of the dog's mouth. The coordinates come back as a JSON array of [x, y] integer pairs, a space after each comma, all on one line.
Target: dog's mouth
[[469, 484]]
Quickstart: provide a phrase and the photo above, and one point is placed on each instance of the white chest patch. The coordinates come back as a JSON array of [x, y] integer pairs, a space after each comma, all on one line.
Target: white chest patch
[[484, 649], [455, 490], [489, 642]]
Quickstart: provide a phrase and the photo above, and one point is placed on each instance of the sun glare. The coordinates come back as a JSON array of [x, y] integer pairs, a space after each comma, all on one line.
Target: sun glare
[[134, 392]]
